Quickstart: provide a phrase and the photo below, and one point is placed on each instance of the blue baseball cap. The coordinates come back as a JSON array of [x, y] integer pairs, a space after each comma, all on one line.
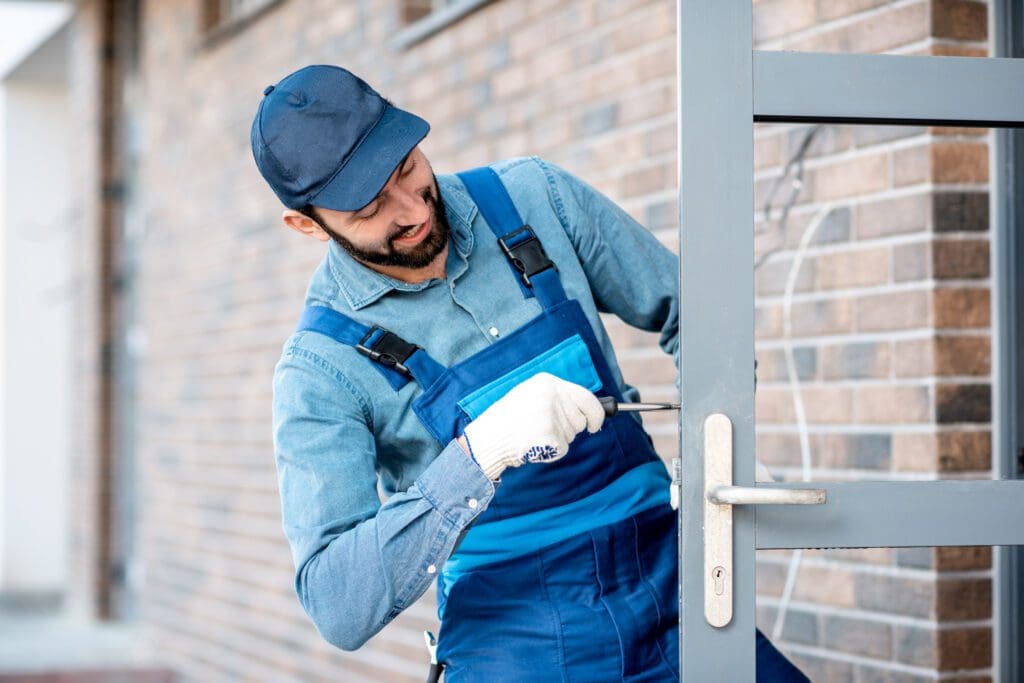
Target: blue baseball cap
[[323, 136]]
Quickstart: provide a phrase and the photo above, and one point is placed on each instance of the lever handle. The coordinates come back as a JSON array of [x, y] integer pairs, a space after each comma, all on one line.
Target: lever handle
[[750, 495]]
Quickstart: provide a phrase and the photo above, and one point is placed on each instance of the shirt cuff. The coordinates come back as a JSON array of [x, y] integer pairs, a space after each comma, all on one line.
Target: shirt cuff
[[456, 486]]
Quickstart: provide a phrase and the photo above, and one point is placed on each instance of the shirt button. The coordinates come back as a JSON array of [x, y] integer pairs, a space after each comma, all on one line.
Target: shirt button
[[473, 503], [431, 569], [493, 331]]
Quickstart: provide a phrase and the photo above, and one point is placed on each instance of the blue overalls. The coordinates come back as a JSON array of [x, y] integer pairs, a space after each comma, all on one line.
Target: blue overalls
[[571, 572]]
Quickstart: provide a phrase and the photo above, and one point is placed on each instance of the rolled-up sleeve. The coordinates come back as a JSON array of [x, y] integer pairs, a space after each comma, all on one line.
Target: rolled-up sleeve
[[358, 562]]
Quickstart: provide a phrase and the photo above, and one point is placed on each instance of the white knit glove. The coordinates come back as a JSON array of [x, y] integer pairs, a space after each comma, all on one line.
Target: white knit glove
[[534, 422]]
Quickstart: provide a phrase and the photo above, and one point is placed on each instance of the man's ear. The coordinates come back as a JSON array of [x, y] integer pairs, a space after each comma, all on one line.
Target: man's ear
[[304, 224]]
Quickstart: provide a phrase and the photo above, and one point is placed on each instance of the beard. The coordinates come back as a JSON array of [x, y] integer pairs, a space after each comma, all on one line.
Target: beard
[[418, 256]]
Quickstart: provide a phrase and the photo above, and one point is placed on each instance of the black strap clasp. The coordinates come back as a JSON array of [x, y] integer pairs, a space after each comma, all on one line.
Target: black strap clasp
[[389, 349], [528, 256]]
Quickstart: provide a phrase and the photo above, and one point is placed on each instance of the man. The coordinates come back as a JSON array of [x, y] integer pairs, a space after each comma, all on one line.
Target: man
[[451, 354]]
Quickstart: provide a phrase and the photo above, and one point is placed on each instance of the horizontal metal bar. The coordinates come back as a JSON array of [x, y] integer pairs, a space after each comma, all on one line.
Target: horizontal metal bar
[[881, 514], [888, 89], [763, 495]]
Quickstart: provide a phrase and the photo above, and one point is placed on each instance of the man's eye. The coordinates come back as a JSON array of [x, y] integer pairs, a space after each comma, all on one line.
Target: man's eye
[[408, 167], [370, 215]]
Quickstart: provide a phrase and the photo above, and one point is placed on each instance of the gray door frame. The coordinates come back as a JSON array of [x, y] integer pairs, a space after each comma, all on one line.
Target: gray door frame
[[724, 87], [1006, 26]]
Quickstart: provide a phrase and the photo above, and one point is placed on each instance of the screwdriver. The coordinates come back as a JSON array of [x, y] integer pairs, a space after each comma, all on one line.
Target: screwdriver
[[612, 406]]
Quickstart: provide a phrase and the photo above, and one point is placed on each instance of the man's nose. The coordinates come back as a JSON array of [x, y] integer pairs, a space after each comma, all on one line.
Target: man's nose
[[413, 208]]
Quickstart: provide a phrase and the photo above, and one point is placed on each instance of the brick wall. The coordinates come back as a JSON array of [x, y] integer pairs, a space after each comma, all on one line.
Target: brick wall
[[891, 312], [890, 335]]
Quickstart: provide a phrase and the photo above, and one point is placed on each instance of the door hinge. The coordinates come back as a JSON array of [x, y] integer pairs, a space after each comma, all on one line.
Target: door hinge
[[1020, 461]]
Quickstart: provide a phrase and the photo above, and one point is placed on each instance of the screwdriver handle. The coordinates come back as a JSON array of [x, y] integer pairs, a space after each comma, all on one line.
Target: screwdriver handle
[[610, 405]]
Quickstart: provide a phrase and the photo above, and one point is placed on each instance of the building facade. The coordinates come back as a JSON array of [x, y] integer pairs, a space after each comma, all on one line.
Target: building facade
[[873, 314]]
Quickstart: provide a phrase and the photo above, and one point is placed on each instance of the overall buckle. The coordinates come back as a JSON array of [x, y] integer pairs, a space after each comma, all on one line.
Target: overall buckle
[[389, 350], [528, 256]]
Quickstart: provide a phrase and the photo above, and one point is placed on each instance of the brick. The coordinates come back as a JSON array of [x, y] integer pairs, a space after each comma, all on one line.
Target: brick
[[963, 308], [870, 674], [827, 316], [825, 586], [960, 211], [913, 452], [962, 355], [877, 32], [893, 311], [892, 216], [865, 136], [964, 451], [962, 558], [828, 10], [963, 403], [822, 669], [911, 166], [768, 321], [959, 19], [645, 181], [960, 259], [857, 636], [963, 599], [889, 594], [916, 646], [964, 648], [953, 50], [598, 119], [771, 277], [771, 365], [778, 449], [959, 162], [775, 18], [918, 558], [827, 404], [859, 268], [854, 177], [892, 404], [773, 406], [767, 150], [912, 262], [853, 451], [855, 361], [825, 140]]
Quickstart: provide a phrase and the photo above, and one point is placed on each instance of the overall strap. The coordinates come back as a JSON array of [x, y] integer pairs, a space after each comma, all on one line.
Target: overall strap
[[535, 272], [396, 359]]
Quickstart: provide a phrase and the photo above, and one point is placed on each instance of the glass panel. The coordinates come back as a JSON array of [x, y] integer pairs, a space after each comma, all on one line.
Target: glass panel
[[874, 350], [872, 26]]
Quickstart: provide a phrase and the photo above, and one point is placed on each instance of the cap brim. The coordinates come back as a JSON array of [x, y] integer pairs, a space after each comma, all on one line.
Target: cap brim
[[367, 170]]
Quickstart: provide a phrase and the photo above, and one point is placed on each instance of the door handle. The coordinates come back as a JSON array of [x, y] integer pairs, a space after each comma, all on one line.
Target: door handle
[[719, 497], [755, 495]]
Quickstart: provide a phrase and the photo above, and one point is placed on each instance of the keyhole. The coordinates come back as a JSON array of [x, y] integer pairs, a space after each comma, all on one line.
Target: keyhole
[[718, 575]]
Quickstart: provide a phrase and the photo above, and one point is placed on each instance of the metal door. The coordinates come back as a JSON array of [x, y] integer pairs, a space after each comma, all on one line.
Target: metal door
[[724, 87]]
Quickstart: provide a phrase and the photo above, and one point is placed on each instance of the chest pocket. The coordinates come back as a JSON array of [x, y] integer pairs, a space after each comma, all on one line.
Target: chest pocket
[[569, 360]]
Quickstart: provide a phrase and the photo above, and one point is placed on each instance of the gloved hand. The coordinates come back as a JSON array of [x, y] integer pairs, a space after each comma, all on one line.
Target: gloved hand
[[534, 422]]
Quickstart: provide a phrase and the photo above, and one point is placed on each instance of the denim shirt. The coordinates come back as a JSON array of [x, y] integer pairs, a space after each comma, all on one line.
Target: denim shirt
[[344, 439]]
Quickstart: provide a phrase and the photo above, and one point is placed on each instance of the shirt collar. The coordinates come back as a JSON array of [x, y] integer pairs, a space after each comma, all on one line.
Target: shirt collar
[[361, 286]]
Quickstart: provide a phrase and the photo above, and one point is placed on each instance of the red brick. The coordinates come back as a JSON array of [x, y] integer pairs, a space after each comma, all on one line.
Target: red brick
[[964, 308], [959, 162], [962, 355], [964, 451], [893, 311], [959, 19], [859, 268], [960, 259]]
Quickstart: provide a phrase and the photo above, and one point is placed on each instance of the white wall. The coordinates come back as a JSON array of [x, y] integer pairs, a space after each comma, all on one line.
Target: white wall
[[35, 314]]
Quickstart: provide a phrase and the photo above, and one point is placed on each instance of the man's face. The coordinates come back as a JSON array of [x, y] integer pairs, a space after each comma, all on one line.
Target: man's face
[[404, 226]]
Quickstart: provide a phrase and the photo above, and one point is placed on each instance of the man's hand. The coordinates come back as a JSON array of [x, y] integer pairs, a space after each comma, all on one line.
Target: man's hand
[[535, 422]]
